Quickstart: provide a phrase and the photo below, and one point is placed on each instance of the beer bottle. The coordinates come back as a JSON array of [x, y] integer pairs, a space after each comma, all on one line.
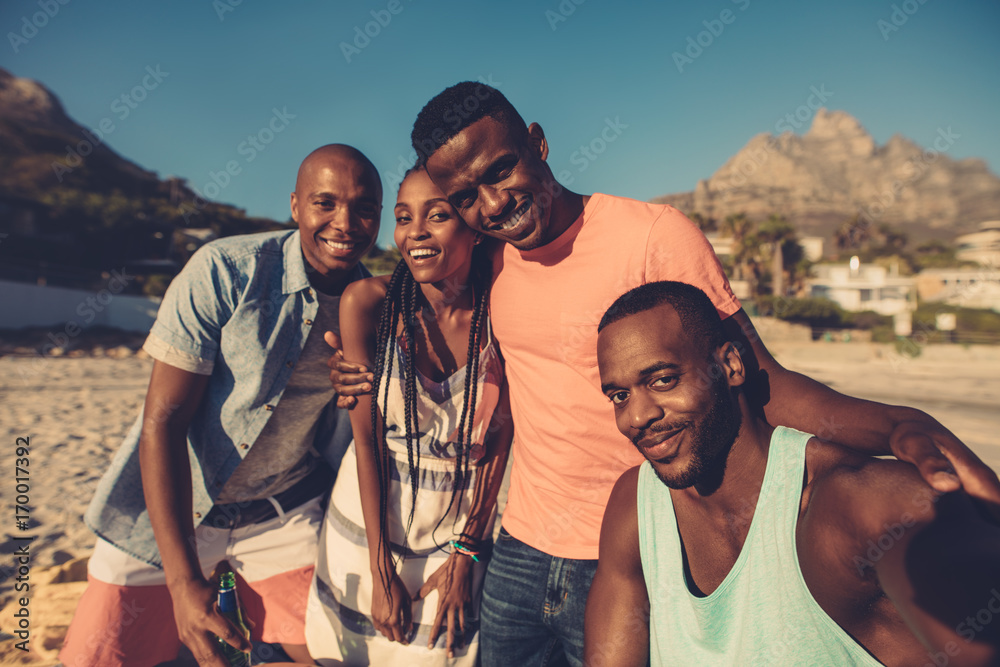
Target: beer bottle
[[229, 606]]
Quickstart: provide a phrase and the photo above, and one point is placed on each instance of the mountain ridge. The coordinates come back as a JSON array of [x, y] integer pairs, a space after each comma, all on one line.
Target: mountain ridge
[[836, 170]]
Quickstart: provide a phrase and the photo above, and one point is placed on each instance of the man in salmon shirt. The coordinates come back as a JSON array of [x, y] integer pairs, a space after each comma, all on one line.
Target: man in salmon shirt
[[567, 257]]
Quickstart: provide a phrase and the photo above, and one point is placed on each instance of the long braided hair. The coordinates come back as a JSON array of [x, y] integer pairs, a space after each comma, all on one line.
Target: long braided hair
[[399, 311]]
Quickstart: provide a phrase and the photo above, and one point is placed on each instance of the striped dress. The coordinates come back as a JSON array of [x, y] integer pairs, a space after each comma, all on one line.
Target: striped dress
[[338, 621]]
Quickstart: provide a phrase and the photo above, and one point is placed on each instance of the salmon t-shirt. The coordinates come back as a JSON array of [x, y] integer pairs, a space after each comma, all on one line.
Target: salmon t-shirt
[[546, 304]]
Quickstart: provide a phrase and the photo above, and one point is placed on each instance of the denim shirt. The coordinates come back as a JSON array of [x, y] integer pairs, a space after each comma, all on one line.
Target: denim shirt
[[245, 304]]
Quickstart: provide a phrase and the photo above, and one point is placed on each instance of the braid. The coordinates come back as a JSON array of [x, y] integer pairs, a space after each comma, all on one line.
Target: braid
[[480, 281], [383, 363], [410, 392]]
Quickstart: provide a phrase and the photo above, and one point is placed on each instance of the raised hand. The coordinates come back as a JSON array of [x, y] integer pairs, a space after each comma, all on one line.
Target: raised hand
[[946, 463]]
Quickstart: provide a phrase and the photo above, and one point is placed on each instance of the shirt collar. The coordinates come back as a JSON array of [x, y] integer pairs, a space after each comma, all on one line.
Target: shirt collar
[[295, 279]]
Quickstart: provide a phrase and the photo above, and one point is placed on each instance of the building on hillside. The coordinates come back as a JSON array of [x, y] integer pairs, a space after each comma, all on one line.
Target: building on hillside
[[982, 247], [969, 288], [858, 287]]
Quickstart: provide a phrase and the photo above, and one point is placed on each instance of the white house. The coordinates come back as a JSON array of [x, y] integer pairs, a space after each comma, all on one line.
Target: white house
[[970, 288], [982, 246], [868, 287]]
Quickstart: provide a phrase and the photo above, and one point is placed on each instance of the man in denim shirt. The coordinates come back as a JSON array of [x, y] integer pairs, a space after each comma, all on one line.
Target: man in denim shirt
[[221, 463]]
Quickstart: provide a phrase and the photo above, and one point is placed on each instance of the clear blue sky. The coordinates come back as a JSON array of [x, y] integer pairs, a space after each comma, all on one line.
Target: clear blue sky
[[224, 76]]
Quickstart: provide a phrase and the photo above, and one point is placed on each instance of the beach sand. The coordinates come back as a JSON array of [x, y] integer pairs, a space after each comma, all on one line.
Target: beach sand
[[74, 411]]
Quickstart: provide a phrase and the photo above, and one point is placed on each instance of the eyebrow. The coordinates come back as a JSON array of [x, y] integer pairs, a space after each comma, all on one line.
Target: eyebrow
[[471, 182], [644, 373], [330, 195], [404, 204]]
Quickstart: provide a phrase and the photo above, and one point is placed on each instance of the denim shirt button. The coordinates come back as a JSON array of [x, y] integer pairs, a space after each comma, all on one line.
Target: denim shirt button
[[269, 407], [197, 515], [290, 364], [309, 323], [244, 446]]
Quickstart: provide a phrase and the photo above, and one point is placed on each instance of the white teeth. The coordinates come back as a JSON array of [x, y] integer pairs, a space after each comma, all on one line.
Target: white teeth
[[423, 252], [339, 246], [515, 219]]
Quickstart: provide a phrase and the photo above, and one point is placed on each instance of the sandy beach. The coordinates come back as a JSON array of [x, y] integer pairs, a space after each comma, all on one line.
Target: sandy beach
[[74, 411]]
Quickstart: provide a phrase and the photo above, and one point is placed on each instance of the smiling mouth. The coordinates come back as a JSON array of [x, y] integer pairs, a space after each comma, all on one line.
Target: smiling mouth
[[423, 253], [341, 246], [661, 446], [516, 218]]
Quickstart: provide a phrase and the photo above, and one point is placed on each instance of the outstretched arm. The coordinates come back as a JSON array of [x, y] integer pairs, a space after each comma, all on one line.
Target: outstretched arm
[[616, 630], [792, 399], [937, 559]]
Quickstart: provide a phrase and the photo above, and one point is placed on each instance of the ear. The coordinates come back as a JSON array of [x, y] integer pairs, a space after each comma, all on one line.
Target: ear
[[294, 203], [731, 363], [479, 239], [537, 138]]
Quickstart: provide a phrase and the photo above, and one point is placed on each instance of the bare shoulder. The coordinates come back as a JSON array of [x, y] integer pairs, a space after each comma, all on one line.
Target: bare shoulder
[[858, 494], [620, 528], [365, 295], [623, 495]]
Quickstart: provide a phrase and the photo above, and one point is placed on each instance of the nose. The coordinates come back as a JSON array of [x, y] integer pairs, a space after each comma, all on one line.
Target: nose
[[417, 229], [343, 220], [494, 201], [643, 412]]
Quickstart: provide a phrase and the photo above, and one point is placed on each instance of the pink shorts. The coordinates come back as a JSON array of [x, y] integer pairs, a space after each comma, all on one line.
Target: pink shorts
[[273, 560]]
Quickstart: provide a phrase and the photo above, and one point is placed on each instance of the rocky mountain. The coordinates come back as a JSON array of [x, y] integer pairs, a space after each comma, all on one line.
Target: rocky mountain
[[70, 206], [836, 170]]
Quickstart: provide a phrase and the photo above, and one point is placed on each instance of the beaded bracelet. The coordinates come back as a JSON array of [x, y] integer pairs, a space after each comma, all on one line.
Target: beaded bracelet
[[465, 551]]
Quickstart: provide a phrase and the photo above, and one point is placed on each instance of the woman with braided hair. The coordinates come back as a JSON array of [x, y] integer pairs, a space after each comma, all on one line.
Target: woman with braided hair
[[404, 542]]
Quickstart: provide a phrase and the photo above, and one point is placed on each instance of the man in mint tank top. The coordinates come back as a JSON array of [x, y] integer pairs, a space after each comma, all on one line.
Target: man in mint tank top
[[736, 543]]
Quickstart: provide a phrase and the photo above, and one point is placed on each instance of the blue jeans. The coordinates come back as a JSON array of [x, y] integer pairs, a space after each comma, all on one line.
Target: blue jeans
[[533, 606]]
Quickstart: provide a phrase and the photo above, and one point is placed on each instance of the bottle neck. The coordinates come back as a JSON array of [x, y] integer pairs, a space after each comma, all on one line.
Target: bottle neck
[[228, 601]]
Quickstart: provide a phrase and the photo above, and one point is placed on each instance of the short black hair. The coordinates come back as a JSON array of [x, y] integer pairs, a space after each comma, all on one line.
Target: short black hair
[[697, 313], [456, 108]]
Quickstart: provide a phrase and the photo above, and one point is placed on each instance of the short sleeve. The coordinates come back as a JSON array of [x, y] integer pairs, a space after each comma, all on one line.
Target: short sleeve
[[199, 301], [170, 355], [677, 250]]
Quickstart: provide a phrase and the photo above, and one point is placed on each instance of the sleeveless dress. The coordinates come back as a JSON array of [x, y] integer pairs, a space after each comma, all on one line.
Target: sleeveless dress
[[338, 620]]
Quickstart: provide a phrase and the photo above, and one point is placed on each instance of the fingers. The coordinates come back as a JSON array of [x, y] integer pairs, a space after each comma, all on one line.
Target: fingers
[[921, 450], [351, 384], [346, 402], [425, 590], [979, 482], [207, 651], [407, 624], [436, 627], [450, 641], [233, 637]]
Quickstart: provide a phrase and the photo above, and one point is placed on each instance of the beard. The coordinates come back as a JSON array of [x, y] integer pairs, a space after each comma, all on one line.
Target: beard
[[712, 439]]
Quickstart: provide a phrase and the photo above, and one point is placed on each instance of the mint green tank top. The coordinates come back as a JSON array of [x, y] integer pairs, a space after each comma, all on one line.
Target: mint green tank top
[[763, 612]]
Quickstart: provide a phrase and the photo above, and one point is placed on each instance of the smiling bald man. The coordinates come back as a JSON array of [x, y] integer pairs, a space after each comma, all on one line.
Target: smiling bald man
[[223, 462]]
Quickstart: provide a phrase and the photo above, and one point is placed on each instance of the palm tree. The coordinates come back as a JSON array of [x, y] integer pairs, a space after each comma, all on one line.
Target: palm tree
[[740, 230], [706, 225], [777, 232], [852, 234]]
